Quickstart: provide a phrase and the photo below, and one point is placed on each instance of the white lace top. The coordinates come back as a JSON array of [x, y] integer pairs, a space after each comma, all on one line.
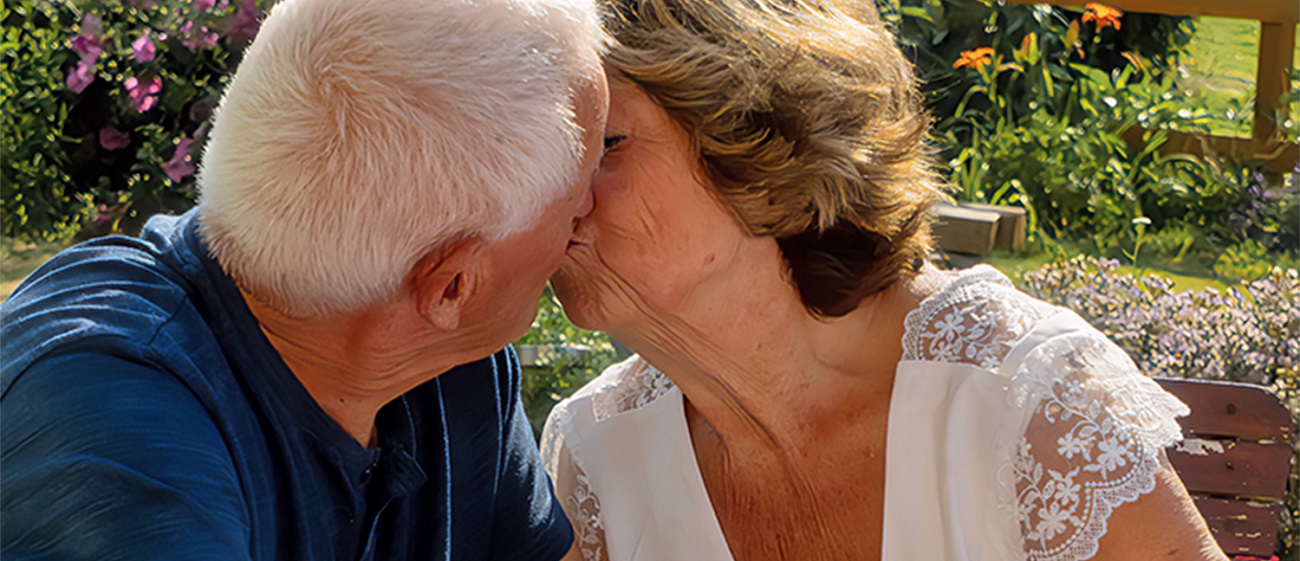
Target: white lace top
[[1014, 430]]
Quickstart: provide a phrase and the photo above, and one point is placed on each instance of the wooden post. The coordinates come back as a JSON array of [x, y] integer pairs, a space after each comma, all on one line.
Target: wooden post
[[1272, 78]]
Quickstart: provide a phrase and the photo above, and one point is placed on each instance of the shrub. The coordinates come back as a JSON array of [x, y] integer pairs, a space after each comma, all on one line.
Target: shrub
[[576, 357], [936, 32], [1250, 333], [1063, 113], [105, 107]]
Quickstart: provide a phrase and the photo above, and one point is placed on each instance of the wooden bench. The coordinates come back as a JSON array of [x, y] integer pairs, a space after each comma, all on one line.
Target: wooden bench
[[979, 229], [1235, 460]]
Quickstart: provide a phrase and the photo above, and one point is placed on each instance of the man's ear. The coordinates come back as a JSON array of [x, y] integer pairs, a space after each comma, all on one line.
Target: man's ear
[[445, 279]]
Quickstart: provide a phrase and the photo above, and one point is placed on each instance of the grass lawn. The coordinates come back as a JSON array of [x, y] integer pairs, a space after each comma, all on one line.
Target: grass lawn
[[17, 260], [1220, 62], [1016, 265]]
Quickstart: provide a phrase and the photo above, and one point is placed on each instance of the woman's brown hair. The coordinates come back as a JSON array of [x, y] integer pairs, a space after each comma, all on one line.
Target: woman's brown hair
[[808, 123]]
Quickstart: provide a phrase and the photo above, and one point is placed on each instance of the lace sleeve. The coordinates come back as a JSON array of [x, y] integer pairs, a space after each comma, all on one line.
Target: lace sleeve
[[1095, 441], [572, 487]]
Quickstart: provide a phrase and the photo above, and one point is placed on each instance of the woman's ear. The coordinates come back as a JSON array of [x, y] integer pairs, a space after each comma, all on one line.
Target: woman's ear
[[444, 281]]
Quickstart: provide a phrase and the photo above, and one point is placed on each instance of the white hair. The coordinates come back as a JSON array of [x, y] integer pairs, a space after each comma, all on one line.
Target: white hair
[[358, 135]]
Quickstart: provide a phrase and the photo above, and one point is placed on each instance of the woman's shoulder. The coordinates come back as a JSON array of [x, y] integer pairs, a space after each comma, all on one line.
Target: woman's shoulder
[[622, 388], [973, 316]]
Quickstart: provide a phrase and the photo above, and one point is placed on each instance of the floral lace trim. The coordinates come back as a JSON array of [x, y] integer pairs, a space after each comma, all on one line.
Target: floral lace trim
[[632, 387], [1095, 442], [580, 504], [976, 319], [584, 512]]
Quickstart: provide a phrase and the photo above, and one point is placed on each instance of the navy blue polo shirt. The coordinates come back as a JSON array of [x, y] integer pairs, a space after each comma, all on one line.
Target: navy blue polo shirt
[[143, 415]]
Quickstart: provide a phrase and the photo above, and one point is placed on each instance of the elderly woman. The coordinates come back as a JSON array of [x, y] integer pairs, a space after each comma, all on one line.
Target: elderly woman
[[807, 387]]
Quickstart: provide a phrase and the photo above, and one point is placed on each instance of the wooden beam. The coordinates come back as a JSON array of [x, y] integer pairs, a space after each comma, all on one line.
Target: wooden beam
[[1275, 156], [1277, 11]]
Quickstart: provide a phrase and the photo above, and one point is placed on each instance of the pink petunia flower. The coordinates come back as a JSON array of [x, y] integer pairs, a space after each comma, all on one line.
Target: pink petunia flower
[[197, 38], [204, 5], [87, 46], [81, 75], [144, 92], [143, 48], [91, 25], [180, 165], [113, 139], [246, 23]]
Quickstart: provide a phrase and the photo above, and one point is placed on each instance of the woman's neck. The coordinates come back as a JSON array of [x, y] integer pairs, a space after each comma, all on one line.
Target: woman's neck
[[765, 373]]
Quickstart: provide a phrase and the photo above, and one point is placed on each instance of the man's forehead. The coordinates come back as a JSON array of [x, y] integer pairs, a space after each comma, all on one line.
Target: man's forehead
[[591, 100]]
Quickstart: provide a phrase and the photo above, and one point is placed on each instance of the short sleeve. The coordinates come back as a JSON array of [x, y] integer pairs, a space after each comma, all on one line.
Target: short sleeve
[[1094, 440], [106, 458], [572, 486], [529, 521]]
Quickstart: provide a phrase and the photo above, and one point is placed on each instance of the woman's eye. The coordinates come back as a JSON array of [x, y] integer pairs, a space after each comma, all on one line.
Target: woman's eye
[[612, 142]]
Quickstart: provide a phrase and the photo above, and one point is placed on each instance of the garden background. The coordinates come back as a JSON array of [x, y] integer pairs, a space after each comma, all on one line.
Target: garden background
[[1187, 260]]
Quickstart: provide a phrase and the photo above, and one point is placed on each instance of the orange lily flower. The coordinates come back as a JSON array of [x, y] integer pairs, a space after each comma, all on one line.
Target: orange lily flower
[[1104, 15], [976, 59]]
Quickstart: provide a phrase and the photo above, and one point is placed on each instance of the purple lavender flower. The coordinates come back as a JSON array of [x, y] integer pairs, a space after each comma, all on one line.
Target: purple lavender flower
[[1250, 334]]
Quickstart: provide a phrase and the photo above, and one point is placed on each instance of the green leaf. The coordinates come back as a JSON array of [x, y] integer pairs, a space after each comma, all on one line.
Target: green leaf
[[917, 12]]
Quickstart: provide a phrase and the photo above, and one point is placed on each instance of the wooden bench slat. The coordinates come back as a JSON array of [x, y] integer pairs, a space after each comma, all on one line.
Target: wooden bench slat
[[1233, 410], [1237, 443], [1232, 468], [1240, 527]]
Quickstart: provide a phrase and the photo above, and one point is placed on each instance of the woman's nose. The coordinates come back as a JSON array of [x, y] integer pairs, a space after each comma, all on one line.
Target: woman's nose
[[588, 203]]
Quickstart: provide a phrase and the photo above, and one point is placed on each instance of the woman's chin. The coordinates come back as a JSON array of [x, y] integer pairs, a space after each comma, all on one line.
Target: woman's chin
[[576, 299]]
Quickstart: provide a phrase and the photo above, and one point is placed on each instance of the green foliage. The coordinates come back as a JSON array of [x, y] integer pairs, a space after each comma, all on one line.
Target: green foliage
[[1056, 114], [102, 149], [575, 356], [936, 32], [33, 51]]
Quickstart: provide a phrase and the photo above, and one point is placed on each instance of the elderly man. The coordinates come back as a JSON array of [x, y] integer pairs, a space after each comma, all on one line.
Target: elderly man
[[309, 365]]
